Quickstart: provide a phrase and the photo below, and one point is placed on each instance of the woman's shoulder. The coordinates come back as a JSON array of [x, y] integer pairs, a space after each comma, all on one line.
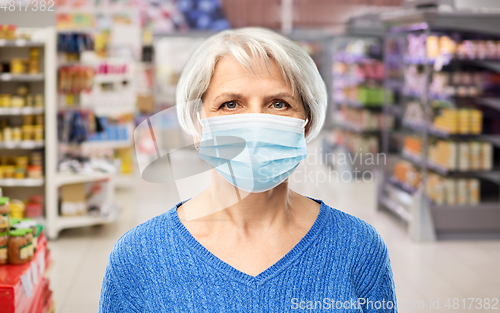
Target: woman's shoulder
[[140, 240], [352, 229]]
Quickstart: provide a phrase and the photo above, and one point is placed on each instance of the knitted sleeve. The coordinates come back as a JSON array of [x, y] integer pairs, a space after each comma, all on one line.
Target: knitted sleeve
[[120, 291], [111, 296], [374, 280]]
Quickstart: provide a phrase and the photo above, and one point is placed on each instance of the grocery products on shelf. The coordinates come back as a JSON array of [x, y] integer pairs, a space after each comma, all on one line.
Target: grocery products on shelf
[[441, 190], [364, 120], [23, 65], [459, 121], [356, 143], [433, 46], [462, 156], [453, 191], [452, 155], [74, 79], [29, 129], [71, 44], [21, 167], [446, 121], [126, 159]]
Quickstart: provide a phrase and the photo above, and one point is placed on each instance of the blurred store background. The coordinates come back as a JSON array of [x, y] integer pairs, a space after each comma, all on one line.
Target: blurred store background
[[411, 142]]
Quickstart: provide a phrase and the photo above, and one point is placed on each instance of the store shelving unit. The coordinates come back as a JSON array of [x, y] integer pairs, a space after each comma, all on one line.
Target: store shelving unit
[[348, 81], [427, 219], [42, 83]]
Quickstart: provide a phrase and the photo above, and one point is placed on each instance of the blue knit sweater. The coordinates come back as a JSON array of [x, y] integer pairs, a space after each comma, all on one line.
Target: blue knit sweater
[[340, 265]]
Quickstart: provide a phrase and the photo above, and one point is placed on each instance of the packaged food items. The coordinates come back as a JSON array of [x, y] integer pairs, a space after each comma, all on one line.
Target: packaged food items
[[38, 132], [17, 65], [27, 132], [475, 156], [4, 213], [473, 194], [450, 191], [17, 102], [35, 171], [13, 222], [34, 62], [38, 100], [29, 243], [8, 171], [7, 134], [17, 247], [10, 32], [463, 156], [4, 100], [34, 206], [487, 156], [20, 173], [462, 191], [17, 208], [4, 239], [17, 134]]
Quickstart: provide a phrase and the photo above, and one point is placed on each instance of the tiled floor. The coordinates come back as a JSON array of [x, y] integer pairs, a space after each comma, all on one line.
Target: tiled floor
[[422, 272]]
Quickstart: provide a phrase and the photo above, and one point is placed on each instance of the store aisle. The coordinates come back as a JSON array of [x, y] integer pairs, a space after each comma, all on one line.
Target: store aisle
[[422, 272]]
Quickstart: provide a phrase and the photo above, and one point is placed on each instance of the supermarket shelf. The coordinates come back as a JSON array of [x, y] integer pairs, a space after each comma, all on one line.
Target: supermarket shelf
[[104, 78], [355, 128], [64, 222], [20, 43], [493, 103], [21, 111], [420, 127], [26, 182], [26, 144], [395, 83], [403, 186], [21, 77], [481, 218], [359, 105], [107, 144], [493, 175], [72, 178], [352, 59], [396, 208]]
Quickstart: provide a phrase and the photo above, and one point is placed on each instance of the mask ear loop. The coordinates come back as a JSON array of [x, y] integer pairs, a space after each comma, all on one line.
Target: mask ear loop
[[197, 147], [305, 123]]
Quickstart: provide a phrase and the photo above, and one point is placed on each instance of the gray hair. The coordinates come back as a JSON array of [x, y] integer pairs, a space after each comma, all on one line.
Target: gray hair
[[243, 44]]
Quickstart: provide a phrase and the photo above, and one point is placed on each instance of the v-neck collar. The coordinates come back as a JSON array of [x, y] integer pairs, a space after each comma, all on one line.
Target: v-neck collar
[[236, 274]]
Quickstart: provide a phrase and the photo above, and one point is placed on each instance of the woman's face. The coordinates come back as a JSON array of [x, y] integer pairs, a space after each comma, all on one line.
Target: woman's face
[[235, 90]]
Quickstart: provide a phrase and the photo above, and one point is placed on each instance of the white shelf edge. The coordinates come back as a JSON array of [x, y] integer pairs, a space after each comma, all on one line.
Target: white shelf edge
[[21, 77], [21, 111], [31, 144], [64, 222], [71, 178], [26, 182]]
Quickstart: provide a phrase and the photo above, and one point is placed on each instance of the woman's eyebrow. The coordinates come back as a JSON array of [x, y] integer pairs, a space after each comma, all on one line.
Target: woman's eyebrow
[[232, 95], [282, 95]]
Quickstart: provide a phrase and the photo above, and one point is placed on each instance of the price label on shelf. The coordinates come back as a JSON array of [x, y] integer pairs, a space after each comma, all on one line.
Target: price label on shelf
[[6, 76], [20, 42], [3, 42], [26, 281], [34, 273], [41, 263]]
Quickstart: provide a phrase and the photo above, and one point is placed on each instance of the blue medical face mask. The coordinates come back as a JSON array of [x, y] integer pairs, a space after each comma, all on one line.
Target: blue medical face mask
[[254, 152]]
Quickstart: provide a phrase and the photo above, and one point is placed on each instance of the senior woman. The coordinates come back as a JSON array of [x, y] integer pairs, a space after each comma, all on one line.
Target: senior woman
[[256, 246]]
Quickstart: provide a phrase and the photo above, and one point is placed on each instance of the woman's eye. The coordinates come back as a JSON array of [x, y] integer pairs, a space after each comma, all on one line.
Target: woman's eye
[[279, 104], [229, 105]]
